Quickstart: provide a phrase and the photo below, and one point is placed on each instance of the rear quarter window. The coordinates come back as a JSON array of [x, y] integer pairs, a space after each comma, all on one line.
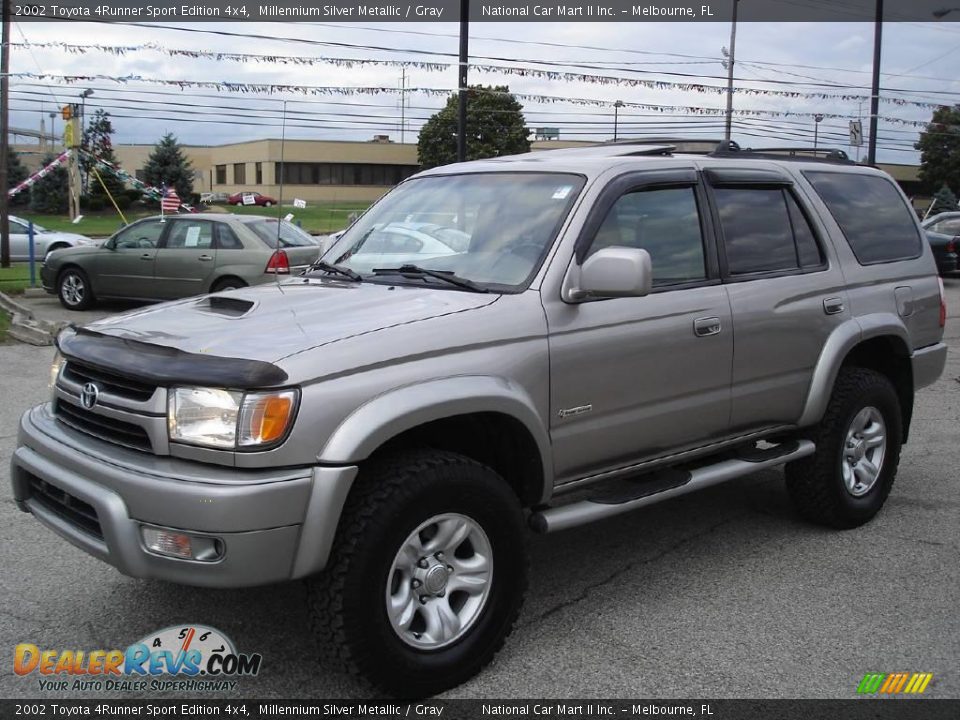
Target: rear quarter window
[[876, 222]]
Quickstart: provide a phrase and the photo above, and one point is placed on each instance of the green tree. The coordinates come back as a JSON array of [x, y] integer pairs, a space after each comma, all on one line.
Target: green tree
[[16, 174], [98, 141], [49, 193], [167, 165], [944, 200], [495, 127], [939, 147]]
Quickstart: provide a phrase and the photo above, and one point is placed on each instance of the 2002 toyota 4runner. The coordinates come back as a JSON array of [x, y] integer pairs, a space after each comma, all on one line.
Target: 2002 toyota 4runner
[[624, 321]]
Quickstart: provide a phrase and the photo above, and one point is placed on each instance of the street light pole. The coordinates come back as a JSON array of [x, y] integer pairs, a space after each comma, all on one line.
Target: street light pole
[[817, 119], [616, 107], [733, 50], [875, 89]]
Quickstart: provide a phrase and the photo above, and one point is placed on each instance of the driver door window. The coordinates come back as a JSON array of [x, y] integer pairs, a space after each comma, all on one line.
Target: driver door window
[[664, 222], [142, 236]]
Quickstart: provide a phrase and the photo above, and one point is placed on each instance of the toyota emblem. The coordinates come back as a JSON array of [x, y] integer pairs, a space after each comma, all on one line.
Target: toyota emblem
[[89, 395]]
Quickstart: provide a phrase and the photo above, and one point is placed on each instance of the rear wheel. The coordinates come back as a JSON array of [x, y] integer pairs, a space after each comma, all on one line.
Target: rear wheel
[[227, 283], [847, 480], [427, 574], [50, 249], [73, 289], [267, 203]]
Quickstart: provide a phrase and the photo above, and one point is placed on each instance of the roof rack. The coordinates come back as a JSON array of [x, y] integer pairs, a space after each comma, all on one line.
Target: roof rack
[[730, 149]]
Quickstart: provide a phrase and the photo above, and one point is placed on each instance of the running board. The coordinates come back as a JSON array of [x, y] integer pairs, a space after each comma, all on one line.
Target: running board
[[664, 488]]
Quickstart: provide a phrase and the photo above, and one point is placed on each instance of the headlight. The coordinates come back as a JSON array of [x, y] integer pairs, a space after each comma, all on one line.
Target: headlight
[[229, 419], [55, 369]]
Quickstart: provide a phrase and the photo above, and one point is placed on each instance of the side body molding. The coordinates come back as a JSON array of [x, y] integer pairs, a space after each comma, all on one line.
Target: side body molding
[[843, 339], [395, 411]]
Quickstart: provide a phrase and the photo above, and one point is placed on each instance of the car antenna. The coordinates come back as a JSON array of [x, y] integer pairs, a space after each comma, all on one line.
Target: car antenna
[[283, 142]]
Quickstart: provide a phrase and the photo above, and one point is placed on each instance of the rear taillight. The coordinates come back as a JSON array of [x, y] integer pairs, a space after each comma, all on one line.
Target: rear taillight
[[278, 263], [943, 304], [951, 246]]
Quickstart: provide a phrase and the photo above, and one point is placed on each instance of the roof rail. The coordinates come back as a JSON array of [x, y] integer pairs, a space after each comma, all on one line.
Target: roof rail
[[729, 149]]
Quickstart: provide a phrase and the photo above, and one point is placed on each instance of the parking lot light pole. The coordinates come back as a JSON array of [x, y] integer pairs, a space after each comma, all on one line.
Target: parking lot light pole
[[817, 119], [616, 107], [5, 136]]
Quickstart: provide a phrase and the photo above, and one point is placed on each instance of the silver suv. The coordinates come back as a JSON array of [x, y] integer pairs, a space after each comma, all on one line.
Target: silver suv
[[535, 342]]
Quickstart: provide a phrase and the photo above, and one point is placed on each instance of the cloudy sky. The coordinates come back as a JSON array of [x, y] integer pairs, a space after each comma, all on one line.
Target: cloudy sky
[[919, 66]]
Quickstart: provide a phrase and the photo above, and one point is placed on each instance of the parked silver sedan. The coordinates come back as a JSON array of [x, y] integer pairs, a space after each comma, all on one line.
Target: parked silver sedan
[[179, 256], [44, 241]]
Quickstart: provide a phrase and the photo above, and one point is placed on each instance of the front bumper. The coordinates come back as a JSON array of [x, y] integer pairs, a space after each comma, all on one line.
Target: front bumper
[[274, 525]]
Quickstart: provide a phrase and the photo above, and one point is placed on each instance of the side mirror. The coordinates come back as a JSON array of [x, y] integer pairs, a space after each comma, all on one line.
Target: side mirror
[[615, 272], [110, 244]]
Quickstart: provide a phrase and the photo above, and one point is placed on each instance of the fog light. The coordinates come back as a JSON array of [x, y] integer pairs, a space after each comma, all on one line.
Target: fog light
[[182, 545]]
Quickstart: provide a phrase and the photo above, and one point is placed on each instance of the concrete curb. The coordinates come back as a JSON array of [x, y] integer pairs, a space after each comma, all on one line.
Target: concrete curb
[[25, 327]]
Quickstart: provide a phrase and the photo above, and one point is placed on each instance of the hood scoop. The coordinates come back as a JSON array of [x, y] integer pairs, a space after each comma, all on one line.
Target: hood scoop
[[225, 305]]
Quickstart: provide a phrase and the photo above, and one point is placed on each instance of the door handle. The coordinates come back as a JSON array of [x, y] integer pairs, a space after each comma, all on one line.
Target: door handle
[[146, 256], [705, 327], [833, 306], [205, 258]]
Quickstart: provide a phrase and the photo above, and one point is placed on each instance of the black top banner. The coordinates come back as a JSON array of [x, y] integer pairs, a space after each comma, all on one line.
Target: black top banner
[[485, 11]]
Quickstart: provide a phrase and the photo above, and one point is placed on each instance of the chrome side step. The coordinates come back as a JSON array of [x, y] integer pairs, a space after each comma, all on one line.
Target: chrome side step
[[586, 511]]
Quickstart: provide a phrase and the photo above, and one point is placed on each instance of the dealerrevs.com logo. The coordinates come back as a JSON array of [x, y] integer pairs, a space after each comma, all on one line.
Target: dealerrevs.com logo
[[894, 683], [183, 658]]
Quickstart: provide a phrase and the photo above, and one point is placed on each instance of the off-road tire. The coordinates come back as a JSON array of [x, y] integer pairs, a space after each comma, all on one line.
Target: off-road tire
[[391, 497], [64, 293], [815, 483]]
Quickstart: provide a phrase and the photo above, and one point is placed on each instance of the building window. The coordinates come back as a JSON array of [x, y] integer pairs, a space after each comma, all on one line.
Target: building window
[[259, 170], [240, 173], [221, 175], [344, 173]]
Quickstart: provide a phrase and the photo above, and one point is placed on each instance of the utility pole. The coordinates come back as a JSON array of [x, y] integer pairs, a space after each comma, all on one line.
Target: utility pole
[[875, 91], [462, 84], [730, 61], [403, 106], [5, 136]]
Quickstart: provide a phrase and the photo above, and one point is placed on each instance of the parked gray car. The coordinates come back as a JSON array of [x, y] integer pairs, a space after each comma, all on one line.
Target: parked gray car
[[165, 258], [44, 241], [626, 324]]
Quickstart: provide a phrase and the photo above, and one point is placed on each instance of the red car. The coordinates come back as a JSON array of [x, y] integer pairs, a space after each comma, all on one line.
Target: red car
[[258, 199]]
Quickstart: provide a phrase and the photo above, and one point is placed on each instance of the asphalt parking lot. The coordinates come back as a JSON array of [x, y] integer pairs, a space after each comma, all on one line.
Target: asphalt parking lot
[[721, 594]]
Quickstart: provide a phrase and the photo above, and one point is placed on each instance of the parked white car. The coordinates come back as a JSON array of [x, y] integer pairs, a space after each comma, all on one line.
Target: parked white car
[[45, 241]]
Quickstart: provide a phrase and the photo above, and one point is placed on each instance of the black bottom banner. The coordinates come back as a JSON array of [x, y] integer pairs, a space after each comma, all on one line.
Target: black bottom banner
[[867, 709]]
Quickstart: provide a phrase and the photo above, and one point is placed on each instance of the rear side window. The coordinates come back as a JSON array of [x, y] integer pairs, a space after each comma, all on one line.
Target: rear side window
[[875, 220], [765, 231]]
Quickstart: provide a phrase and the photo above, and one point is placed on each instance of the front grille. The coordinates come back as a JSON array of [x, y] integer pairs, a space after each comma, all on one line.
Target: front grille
[[103, 427], [112, 383], [66, 506]]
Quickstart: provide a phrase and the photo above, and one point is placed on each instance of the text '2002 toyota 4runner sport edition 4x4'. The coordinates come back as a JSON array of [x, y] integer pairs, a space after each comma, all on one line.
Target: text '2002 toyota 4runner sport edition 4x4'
[[534, 341]]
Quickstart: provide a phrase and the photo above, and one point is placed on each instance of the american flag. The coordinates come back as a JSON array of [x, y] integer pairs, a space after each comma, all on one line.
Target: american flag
[[170, 202]]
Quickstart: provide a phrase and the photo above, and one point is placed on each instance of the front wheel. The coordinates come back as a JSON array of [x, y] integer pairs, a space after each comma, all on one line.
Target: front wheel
[[73, 289], [847, 480], [427, 574]]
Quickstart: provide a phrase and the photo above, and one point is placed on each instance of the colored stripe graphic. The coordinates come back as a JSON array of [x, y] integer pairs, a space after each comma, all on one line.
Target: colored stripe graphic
[[894, 683]]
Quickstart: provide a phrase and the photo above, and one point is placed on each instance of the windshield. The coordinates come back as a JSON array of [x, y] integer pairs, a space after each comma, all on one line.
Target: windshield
[[491, 228], [290, 235]]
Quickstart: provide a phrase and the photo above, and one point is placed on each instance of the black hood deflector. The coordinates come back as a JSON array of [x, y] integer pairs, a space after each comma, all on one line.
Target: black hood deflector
[[166, 366]]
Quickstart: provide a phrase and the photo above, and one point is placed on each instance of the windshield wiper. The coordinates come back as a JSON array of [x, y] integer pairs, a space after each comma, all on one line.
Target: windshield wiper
[[445, 275], [334, 270]]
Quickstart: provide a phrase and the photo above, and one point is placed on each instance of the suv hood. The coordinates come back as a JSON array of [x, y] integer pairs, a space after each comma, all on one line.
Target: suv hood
[[271, 322]]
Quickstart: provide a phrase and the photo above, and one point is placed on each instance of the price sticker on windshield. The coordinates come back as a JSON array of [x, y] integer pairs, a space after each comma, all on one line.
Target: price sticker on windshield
[[562, 192]]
